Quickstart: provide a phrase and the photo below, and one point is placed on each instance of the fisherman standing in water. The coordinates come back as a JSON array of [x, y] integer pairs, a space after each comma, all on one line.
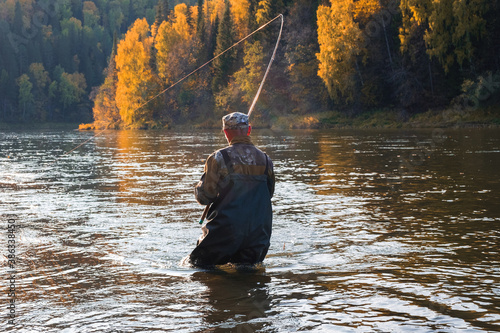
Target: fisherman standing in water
[[239, 182]]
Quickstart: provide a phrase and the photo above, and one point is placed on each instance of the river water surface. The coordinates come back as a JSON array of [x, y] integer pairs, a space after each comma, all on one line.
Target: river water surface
[[374, 231]]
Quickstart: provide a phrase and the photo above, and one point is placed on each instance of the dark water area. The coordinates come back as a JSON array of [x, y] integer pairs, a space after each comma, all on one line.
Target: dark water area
[[374, 231]]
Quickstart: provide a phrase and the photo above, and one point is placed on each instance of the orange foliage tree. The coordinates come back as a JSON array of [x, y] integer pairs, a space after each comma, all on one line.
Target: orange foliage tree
[[136, 84]]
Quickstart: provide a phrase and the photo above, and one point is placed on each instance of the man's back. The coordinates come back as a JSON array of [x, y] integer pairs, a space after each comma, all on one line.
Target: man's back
[[239, 180]]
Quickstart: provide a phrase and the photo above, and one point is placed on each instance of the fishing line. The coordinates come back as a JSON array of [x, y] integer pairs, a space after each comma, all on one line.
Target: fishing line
[[220, 54], [193, 72], [207, 207]]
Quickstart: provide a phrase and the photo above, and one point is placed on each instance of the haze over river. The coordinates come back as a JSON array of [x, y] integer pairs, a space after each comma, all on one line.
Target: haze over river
[[374, 231]]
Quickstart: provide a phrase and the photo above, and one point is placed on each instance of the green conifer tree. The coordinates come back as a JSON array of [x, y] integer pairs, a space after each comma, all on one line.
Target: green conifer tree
[[223, 64], [200, 23]]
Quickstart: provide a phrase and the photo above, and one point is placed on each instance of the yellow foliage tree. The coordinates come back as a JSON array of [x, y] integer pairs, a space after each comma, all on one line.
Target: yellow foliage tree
[[106, 114], [180, 22], [364, 9], [176, 45], [173, 45], [341, 43], [215, 9], [263, 13], [135, 84], [414, 14], [240, 12]]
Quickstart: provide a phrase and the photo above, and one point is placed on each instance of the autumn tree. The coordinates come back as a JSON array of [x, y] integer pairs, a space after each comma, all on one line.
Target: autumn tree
[[72, 88], [363, 10], [250, 75], [162, 14], [263, 12], [215, 10], [240, 12], [341, 45], [415, 14], [26, 99], [451, 29], [439, 39], [76, 35], [176, 48], [135, 84], [174, 51], [455, 29], [306, 91], [105, 111], [415, 55], [91, 14]]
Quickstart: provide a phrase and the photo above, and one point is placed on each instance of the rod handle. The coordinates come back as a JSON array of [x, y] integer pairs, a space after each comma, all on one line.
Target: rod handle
[[204, 215]]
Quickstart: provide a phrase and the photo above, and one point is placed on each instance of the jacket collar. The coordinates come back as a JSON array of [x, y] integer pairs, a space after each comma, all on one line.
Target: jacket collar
[[241, 140]]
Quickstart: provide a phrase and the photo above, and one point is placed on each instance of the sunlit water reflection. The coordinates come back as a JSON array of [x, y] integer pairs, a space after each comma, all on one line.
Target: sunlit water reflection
[[374, 231]]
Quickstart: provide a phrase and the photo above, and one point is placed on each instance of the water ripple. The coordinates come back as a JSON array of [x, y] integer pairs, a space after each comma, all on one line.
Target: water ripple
[[366, 238]]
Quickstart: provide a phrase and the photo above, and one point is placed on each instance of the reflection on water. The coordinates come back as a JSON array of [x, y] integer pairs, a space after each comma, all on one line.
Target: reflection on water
[[374, 231], [245, 299]]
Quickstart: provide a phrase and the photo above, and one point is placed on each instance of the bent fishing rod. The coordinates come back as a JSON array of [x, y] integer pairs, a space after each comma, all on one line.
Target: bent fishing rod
[[188, 75], [280, 16], [207, 207]]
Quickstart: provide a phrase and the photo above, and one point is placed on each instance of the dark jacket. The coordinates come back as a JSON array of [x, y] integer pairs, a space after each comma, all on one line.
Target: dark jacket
[[239, 183]]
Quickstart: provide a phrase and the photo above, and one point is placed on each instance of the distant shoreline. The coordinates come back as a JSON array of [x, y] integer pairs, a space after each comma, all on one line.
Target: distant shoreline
[[391, 118], [39, 126], [376, 119]]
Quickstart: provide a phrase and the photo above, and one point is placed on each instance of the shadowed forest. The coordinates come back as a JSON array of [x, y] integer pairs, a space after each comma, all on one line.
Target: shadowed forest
[[99, 62]]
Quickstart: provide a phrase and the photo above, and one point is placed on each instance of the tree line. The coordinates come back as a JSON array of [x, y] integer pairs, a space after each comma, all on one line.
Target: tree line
[[108, 62], [412, 54], [150, 58], [53, 53]]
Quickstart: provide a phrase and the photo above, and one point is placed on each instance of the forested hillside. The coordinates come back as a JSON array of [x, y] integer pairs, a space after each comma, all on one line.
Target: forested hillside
[[101, 61], [53, 53]]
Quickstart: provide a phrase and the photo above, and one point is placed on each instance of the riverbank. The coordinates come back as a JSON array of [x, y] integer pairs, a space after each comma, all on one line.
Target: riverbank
[[43, 126], [390, 118], [384, 118]]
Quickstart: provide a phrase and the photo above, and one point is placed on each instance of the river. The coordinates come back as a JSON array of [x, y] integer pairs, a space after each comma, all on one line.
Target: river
[[374, 231]]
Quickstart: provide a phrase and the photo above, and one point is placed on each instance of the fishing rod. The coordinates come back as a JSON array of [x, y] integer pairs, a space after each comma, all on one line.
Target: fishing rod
[[205, 212], [280, 16], [207, 207], [188, 75], [268, 67]]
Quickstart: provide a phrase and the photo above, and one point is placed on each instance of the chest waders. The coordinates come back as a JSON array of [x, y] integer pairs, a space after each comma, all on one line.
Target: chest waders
[[239, 221]]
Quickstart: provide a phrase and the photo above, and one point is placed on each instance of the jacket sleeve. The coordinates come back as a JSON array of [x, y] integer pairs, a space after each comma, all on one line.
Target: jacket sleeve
[[206, 190]]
